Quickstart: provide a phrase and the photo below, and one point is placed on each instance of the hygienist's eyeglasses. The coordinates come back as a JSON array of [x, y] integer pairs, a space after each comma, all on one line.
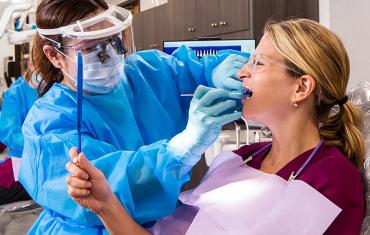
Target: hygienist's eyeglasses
[[258, 63], [88, 46]]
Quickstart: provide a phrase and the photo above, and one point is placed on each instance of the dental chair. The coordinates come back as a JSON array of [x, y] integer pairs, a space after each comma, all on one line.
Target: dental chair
[[361, 97]]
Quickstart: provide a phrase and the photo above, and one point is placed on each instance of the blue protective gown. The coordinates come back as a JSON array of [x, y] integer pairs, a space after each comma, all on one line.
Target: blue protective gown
[[124, 133], [17, 101]]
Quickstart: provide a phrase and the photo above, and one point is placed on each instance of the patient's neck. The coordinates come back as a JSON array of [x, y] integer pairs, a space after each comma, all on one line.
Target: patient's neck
[[290, 139]]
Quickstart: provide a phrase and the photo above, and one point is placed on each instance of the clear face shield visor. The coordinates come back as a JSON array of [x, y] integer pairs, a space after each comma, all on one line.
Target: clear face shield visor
[[104, 35]]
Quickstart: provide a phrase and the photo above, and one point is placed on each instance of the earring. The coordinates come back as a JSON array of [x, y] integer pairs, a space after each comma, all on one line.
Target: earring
[[295, 105]]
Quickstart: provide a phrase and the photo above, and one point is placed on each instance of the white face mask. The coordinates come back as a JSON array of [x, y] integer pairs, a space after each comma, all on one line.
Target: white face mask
[[98, 77]]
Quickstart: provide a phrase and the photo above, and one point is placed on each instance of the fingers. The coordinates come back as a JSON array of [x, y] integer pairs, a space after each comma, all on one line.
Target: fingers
[[77, 171], [233, 84], [213, 95], [218, 108], [235, 57], [237, 64], [77, 193], [73, 154], [86, 165], [76, 182], [224, 119], [200, 92]]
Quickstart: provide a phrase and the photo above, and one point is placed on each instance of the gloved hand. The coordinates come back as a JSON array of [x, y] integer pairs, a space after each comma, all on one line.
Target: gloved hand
[[224, 75], [210, 109]]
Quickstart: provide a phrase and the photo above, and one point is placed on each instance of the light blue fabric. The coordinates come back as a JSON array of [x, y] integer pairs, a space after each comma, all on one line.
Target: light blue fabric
[[125, 134], [17, 101], [224, 75], [210, 109]]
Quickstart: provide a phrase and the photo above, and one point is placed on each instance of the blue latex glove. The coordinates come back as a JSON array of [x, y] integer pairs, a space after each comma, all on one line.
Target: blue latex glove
[[224, 75], [210, 109]]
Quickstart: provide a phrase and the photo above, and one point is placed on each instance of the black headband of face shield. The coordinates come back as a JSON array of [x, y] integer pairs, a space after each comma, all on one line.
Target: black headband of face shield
[[118, 46]]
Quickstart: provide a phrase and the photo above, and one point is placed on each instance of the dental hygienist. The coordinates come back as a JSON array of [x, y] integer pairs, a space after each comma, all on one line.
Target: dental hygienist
[[132, 109]]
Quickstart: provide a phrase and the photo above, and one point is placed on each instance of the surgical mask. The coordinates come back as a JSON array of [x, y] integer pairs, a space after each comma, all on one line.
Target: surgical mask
[[98, 77]]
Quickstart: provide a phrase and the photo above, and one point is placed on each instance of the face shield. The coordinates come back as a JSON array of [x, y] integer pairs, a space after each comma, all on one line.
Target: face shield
[[102, 36], [103, 41]]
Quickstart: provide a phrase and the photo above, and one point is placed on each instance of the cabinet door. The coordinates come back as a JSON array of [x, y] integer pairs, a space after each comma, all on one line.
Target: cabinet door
[[138, 23], [234, 16], [144, 30], [303, 8], [208, 16], [184, 19], [162, 25], [148, 29]]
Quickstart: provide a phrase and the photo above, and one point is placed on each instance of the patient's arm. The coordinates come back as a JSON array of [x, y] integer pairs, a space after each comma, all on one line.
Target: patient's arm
[[89, 188]]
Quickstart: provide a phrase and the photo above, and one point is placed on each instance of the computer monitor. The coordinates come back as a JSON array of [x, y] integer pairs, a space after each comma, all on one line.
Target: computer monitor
[[211, 47]]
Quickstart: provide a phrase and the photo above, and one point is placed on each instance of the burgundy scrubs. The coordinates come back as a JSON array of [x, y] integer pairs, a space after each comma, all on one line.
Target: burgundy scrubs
[[10, 191], [330, 173]]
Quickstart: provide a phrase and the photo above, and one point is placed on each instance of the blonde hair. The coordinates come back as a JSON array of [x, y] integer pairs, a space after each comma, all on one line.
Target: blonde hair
[[314, 50]]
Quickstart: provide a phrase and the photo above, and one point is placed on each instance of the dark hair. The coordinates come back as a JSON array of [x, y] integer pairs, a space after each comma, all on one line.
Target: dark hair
[[54, 14]]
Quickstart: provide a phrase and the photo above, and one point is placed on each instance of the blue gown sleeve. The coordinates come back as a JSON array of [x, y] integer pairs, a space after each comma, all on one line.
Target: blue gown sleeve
[[147, 181], [183, 70], [183, 66], [16, 103]]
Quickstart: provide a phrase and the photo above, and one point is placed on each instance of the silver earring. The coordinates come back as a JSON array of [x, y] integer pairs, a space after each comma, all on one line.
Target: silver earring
[[295, 105]]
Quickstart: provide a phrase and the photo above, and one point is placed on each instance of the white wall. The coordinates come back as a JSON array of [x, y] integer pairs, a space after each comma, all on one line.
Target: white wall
[[350, 20], [147, 4]]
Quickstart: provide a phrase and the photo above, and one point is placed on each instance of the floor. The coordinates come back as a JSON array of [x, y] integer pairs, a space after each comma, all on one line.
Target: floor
[[17, 218]]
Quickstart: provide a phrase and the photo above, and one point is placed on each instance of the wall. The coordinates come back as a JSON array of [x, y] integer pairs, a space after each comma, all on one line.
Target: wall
[[350, 20], [147, 4]]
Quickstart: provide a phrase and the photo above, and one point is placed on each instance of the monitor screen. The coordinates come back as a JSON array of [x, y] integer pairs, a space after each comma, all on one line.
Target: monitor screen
[[211, 47]]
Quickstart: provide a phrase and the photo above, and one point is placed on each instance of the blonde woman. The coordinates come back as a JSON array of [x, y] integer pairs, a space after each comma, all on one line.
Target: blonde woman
[[305, 181]]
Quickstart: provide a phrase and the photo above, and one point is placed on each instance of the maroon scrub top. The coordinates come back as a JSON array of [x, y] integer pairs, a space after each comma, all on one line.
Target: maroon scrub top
[[6, 175], [330, 173]]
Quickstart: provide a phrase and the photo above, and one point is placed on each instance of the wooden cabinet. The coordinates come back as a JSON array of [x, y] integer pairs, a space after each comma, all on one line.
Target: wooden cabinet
[[222, 16], [144, 30], [151, 28], [234, 16], [278, 10], [208, 16], [194, 18], [162, 25], [183, 19], [227, 19]]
